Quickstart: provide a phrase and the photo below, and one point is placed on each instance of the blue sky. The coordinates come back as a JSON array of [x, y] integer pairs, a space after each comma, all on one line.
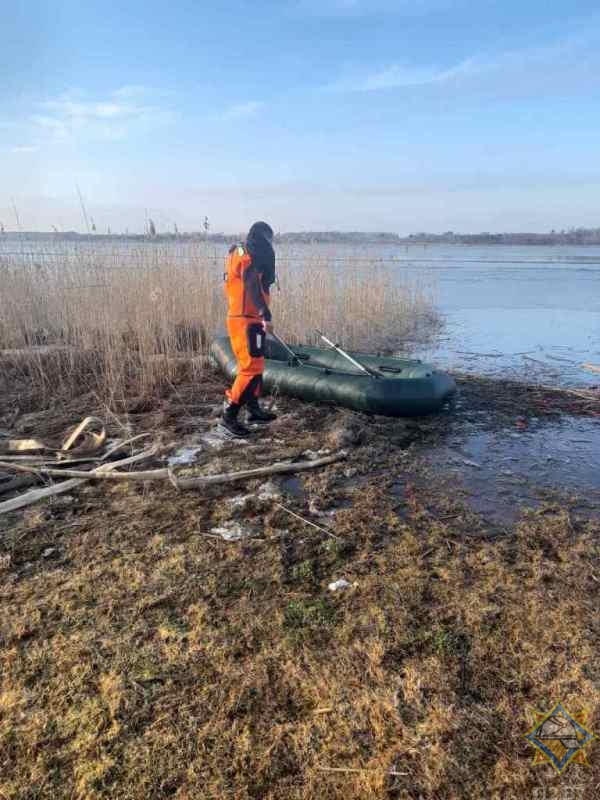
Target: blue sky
[[313, 114]]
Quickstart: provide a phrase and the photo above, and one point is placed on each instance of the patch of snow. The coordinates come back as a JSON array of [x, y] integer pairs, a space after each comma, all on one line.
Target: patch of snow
[[184, 456], [240, 501], [232, 532], [269, 491]]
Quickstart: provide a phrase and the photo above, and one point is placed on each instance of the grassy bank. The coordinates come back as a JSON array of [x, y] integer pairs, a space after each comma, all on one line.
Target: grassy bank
[[143, 657], [120, 322]]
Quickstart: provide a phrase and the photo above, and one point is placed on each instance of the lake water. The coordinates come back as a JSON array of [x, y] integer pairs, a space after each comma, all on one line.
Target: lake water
[[532, 313]]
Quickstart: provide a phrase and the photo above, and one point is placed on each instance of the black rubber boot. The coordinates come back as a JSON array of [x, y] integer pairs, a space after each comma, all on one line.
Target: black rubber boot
[[230, 422], [259, 415]]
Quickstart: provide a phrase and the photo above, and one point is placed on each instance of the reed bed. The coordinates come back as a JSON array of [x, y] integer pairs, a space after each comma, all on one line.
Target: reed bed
[[123, 320]]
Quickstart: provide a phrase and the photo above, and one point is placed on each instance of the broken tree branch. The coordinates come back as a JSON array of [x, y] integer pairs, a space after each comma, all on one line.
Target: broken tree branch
[[274, 469], [35, 495], [94, 474], [166, 473]]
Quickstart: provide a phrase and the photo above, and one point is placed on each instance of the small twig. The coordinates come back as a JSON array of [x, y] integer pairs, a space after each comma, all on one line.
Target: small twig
[[357, 770], [308, 522]]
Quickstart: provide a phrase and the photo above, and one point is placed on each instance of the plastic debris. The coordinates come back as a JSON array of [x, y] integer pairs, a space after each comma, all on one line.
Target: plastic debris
[[336, 586]]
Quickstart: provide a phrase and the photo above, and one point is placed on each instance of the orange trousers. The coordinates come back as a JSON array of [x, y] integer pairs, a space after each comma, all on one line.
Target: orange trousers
[[247, 339]]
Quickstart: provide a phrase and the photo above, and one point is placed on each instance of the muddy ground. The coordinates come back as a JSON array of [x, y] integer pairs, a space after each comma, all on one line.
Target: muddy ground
[[144, 655]]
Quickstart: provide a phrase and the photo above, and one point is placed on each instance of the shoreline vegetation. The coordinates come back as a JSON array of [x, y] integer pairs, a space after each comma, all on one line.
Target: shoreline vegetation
[[129, 322], [571, 236]]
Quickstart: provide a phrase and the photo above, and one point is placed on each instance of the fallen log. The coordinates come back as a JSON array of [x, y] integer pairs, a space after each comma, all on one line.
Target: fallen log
[[35, 495]]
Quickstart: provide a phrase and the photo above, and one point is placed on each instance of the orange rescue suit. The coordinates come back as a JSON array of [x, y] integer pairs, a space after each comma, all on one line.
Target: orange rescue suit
[[248, 310]]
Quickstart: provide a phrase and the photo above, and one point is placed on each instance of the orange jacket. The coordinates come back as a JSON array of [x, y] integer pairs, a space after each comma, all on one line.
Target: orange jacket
[[244, 288]]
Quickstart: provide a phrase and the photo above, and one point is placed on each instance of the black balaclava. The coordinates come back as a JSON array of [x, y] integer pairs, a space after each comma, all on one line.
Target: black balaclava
[[259, 245]]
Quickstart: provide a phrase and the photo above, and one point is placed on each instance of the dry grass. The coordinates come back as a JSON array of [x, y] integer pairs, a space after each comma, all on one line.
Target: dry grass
[[125, 318], [141, 660]]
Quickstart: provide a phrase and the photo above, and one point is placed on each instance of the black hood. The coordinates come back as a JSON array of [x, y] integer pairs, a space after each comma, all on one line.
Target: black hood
[[258, 243]]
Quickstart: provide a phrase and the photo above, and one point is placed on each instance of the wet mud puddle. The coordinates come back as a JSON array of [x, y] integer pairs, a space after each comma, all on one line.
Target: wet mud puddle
[[500, 472]]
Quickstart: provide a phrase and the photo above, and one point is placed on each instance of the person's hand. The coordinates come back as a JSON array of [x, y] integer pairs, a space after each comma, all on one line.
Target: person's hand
[[268, 326]]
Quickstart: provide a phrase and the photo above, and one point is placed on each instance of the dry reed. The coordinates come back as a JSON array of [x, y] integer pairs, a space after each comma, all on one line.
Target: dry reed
[[125, 319]]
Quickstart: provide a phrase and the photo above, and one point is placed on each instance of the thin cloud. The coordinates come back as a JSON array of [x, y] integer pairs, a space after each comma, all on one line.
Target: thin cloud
[[573, 61], [24, 148], [399, 76], [243, 110], [73, 115]]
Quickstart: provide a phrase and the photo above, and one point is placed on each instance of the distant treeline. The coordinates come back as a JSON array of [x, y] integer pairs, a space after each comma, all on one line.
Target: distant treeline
[[579, 236], [570, 236]]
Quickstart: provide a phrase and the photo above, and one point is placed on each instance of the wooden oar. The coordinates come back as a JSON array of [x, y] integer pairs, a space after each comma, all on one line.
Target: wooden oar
[[347, 356]]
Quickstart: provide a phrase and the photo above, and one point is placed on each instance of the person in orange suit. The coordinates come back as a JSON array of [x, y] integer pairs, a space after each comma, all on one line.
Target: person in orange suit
[[249, 275]]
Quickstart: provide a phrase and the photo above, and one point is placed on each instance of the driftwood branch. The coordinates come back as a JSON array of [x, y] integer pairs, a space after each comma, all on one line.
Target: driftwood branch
[[94, 474], [167, 473], [275, 469], [35, 495]]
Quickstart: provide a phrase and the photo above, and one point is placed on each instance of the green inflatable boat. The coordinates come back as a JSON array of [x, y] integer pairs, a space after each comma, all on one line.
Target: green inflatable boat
[[398, 388]]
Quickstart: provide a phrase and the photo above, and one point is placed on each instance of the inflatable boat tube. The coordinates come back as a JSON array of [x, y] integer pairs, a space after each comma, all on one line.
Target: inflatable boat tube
[[403, 387]]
